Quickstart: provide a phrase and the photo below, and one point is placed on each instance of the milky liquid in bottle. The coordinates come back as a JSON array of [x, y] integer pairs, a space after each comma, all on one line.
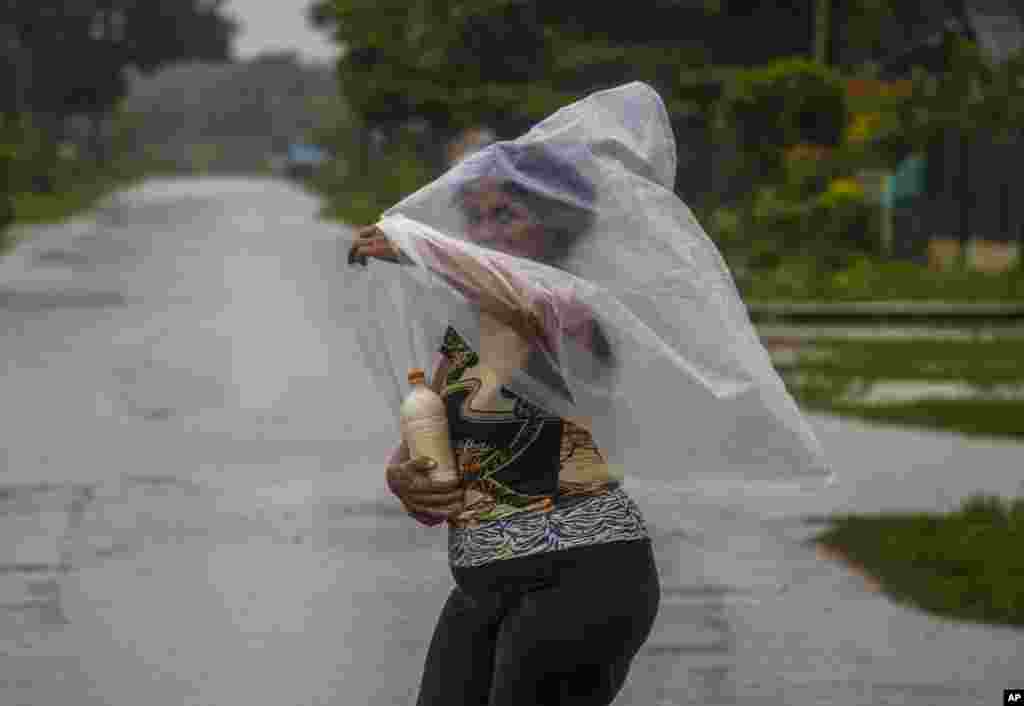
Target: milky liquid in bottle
[[424, 422]]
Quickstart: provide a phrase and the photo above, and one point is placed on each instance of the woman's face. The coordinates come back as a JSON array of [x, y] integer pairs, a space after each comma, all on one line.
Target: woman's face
[[497, 219]]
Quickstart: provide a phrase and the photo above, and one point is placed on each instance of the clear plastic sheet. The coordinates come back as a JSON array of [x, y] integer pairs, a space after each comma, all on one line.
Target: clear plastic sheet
[[566, 261]]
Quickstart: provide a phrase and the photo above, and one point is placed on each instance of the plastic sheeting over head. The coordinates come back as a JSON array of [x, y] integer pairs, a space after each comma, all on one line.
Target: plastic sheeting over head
[[566, 261]]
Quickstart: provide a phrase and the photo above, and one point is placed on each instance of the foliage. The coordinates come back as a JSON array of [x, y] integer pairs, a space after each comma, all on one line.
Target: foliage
[[793, 223], [29, 154], [971, 96], [831, 373], [865, 278], [788, 102], [43, 90], [6, 201], [458, 63], [356, 197], [114, 34], [508, 63], [985, 419], [333, 123], [76, 181], [802, 235], [961, 97], [975, 361], [963, 564]]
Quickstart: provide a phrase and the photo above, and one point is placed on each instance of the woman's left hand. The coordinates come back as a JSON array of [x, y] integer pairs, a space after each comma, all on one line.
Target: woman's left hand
[[370, 241]]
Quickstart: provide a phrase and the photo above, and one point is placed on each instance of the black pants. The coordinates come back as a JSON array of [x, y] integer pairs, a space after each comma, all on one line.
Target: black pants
[[554, 629]]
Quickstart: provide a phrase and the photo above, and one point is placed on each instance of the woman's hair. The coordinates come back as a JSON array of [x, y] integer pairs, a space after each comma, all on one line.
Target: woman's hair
[[547, 183]]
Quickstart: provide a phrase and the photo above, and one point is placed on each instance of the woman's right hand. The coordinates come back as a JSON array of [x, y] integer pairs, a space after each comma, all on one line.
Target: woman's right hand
[[370, 241], [428, 501]]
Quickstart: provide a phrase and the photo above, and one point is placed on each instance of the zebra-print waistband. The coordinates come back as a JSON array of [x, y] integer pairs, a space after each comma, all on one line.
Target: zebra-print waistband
[[578, 521]]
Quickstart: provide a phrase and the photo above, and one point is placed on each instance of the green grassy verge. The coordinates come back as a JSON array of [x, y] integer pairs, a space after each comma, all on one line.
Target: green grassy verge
[[996, 419], [965, 565], [30, 209], [36, 209], [981, 362], [84, 193], [820, 380], [359, 199], [354, 209], [865, 279]]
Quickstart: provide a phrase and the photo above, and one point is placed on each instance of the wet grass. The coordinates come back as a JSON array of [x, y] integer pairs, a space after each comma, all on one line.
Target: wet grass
[[76, 196], [357, 210], [801, 278], [997, 419], [822, 380], [964, 565], [981, 362], [33, 209]]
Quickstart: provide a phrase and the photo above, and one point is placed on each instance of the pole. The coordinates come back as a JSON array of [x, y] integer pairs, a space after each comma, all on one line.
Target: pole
[[822, 10]]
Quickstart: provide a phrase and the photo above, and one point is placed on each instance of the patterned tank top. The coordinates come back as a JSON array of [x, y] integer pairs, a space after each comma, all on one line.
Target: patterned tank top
[[534, 482]]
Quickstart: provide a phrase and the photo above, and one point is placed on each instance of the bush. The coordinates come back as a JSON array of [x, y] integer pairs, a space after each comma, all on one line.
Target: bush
[[832, 228], [787, 102], [796, 278], [6, 177], [842, 225], [864, 278], [357, 198], [32, 157]]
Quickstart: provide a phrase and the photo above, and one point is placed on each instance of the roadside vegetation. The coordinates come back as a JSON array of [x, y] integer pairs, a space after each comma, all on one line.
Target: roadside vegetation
[[63, 127], [963, 565], [51, 185], [833, 373], [960, 565], [356, 198], [866, 279]]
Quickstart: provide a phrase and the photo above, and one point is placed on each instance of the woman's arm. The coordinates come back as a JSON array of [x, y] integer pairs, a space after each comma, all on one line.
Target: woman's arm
[[497, 290], [493, 287], [541, 318]]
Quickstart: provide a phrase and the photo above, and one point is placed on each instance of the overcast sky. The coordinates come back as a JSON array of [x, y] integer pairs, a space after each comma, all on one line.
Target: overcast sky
[[278, 25]]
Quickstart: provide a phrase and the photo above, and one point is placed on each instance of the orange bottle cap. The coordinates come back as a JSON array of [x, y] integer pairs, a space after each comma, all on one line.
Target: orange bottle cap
[[416, 375]]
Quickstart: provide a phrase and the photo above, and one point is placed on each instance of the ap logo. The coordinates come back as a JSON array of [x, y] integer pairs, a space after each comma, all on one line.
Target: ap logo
[[1014, 696]]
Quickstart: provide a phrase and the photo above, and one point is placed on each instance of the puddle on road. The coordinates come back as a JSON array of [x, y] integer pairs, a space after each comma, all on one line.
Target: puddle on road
[[29, 498], [156, 392], [35, 520], [163, 485], [60, 256], [37, 302], [123, 519]]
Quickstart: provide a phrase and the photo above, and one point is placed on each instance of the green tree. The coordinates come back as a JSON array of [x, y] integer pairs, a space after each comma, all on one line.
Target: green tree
[[160, 32], [107, 36], [455, 63], [59, 60]]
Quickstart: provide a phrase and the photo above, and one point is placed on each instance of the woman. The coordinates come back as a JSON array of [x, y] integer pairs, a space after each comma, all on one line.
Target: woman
[[538, 518]]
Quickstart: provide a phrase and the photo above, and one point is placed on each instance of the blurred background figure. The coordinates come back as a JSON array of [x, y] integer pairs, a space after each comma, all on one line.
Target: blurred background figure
[[303, 160]]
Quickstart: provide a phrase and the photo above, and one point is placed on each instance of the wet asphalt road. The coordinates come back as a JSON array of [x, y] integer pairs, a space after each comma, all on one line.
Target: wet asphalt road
[[191, 506]]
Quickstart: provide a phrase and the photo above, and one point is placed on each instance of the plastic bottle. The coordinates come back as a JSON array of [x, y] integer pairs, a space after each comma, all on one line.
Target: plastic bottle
[[424, 422]]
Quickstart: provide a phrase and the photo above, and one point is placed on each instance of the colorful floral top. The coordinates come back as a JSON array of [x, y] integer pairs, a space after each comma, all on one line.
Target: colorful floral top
[[534, 482]]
